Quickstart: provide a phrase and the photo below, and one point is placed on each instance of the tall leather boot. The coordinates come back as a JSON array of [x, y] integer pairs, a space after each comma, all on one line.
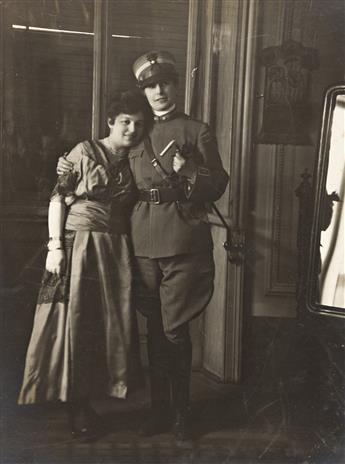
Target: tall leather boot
[[182, 362], [159, 371]]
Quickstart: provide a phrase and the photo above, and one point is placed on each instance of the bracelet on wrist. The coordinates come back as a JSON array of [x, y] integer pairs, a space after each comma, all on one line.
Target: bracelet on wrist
[[55, 243]]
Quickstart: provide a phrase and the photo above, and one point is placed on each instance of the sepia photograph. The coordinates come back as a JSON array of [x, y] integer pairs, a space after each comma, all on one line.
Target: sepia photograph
[[172, 257]]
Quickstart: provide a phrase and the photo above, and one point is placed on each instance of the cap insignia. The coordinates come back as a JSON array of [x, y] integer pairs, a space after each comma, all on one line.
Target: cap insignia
[[152, 58]]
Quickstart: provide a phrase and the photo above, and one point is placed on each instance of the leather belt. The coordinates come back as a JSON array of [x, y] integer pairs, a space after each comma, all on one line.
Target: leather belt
[[162, 195]]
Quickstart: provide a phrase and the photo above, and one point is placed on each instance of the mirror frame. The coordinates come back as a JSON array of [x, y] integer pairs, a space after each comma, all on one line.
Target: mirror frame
[[320, 179]]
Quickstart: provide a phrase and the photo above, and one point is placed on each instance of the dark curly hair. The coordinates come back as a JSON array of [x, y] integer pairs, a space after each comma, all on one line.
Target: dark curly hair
[[130, 102]]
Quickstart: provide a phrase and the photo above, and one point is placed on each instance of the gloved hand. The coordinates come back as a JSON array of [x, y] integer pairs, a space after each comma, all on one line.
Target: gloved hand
[[178, 161], [183, 166]]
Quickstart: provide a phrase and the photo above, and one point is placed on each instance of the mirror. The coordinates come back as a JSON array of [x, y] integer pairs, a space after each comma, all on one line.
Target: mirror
[[326, 273]]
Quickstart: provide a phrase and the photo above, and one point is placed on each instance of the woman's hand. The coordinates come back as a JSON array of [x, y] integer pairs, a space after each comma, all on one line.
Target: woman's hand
[[55, 262], [64, 166]]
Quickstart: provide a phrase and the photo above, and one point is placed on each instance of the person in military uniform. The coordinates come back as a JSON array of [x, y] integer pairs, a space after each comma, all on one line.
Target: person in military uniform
[[177, 170]]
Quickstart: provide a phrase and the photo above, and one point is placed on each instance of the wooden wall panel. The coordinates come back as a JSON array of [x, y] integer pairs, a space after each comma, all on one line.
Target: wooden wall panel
[[276, 169]]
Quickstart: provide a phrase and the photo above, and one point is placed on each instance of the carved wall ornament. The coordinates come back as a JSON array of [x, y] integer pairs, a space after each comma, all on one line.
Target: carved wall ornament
[[286, 110]]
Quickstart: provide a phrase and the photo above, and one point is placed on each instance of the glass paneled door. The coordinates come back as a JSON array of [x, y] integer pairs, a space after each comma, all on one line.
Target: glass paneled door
[[61, 61], [47, 49], [139, 26], [52, 58]]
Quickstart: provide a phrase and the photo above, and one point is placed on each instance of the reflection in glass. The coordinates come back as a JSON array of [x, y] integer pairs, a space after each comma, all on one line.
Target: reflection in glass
[[332, 275], [48, 63]]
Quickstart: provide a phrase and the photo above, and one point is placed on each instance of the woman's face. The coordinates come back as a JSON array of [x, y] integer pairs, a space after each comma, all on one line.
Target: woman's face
[[161, 95], [126, 130]]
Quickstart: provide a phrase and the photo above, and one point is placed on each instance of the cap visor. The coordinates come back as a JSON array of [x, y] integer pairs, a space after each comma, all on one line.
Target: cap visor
[[163, 76]]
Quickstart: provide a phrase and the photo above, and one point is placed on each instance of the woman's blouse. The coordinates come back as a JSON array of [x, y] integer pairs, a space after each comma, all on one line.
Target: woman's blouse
[[99, 191]]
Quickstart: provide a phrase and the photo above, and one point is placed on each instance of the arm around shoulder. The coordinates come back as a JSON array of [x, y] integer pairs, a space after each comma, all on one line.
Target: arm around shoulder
[[68, 168]]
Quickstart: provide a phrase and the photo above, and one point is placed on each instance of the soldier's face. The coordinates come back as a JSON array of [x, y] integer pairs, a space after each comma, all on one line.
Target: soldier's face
[[126, 130], [161, 95]]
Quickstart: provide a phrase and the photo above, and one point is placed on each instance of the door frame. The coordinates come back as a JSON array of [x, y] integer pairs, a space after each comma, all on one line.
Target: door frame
[[233, 25]]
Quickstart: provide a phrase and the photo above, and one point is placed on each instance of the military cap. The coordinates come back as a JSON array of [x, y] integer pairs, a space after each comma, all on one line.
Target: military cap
[[154, 66]]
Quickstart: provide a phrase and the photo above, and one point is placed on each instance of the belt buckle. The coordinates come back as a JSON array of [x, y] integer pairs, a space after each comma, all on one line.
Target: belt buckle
[[154, 196]]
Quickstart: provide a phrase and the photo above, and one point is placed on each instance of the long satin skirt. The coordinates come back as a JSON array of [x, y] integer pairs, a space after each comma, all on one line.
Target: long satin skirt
[[84, 342]]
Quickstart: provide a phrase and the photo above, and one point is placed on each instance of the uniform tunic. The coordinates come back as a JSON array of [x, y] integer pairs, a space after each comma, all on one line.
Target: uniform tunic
[[172, 240], [81, 341]]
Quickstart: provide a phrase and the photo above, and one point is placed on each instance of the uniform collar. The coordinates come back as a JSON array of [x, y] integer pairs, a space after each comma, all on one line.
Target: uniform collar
[[162, 116]]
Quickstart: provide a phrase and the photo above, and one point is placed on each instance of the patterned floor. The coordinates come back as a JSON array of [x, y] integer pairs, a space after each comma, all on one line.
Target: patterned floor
[[232, 425]]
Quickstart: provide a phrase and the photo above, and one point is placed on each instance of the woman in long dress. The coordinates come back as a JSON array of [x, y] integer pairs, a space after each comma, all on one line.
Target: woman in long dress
[[82, 336]]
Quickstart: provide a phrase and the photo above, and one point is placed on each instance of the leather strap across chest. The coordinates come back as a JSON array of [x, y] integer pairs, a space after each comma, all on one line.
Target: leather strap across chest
[[163, 194], [155, 163]]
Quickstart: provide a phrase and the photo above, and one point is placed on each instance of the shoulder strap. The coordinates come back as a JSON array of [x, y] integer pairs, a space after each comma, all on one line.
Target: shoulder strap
[[154, 161]]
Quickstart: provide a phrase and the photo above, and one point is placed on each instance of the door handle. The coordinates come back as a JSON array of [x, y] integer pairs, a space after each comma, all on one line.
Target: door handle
[[235, 247]]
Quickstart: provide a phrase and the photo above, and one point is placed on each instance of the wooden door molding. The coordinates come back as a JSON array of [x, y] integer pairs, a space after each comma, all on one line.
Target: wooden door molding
[[228, 94], [192, 60], [100, 63], [2, 87], [278, 165]]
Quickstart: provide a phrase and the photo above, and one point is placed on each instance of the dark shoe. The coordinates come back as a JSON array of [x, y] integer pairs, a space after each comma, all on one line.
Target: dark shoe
[[86, 434], [85, 424], [156, 423], [181, 428]]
